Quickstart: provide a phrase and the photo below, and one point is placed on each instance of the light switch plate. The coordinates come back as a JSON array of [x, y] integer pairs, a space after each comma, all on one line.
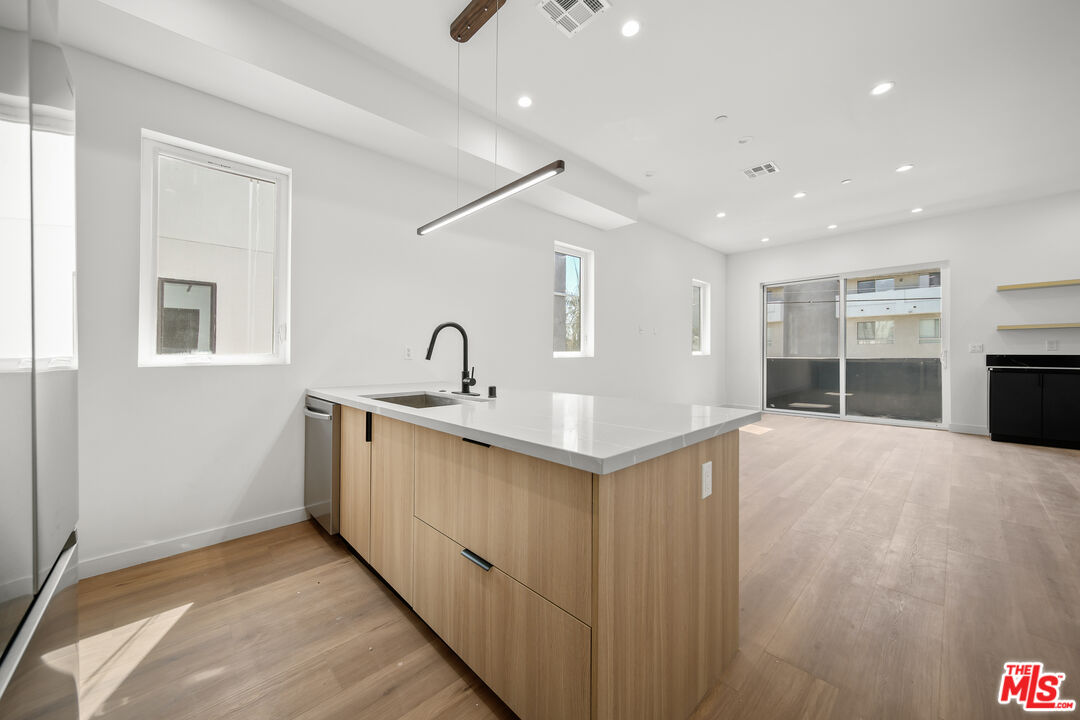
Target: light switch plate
[[1051, 345], [706, 479], [975, 348]]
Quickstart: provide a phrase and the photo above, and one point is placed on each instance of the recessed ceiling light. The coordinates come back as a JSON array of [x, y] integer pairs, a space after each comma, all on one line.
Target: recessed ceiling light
[[845, 181], [799, 195], [631, 28], [905, 167], [916, 210], [746, 139], [883, 87], [832, 227], [764, 239], [524, 101], [721, 214]]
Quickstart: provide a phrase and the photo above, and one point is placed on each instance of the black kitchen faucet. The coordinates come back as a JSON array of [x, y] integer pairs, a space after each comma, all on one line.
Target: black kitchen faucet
[[468, 379]]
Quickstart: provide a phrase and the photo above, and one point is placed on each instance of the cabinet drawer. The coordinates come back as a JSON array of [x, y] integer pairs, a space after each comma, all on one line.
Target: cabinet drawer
[[535, 656], [528, 517]]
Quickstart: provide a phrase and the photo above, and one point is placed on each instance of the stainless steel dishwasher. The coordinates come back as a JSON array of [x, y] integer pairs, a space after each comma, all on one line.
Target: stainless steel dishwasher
[[322, 468]]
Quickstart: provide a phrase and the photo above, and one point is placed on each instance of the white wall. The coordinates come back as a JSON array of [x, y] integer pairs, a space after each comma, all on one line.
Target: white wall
[[1025, 242], [176, 457]]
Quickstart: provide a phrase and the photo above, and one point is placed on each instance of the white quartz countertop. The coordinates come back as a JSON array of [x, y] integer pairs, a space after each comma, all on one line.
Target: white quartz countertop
[[595, 434]]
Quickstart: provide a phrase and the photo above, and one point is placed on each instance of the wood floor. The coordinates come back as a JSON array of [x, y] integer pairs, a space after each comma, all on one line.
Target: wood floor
[[886, 573]]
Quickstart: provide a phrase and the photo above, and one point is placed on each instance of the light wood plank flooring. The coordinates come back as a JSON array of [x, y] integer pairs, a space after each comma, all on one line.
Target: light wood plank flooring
[[889, 572], [284, 624], [886, 573]]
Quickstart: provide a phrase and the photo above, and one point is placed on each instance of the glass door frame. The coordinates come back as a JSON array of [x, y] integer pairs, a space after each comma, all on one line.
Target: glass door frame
[[843, 277]]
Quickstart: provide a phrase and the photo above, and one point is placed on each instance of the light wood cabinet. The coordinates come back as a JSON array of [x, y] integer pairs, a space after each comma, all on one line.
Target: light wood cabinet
[[606, 596], [667, 582], [535, 656], [531, 518], [392, 502], [355, 515]]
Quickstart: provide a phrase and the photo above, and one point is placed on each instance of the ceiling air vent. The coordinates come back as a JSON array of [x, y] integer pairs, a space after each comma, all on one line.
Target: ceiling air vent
[[570, 16], [769, 168]]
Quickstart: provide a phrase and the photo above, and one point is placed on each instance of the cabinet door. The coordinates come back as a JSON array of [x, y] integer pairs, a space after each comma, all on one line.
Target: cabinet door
[[531, 518], [1061, 406], [392, 502], [535, 656], [355, 522], [1016, 403]]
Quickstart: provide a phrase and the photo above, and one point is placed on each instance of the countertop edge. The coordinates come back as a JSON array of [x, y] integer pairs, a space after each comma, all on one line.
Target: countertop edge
[[587, 463]]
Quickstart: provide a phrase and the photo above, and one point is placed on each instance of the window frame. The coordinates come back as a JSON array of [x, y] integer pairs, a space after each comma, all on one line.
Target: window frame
[[705, 309], [930, 339], [155, 145], [162, 282], [890, 339], [588, 262]]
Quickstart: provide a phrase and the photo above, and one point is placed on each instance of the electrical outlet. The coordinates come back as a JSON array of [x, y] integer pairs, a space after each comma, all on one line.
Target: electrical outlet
[[975, 348], [408, 352], [706, 479], [1051, 345]]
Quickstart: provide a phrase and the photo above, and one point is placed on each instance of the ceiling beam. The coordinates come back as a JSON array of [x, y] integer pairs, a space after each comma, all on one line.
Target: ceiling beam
[[473, 17]]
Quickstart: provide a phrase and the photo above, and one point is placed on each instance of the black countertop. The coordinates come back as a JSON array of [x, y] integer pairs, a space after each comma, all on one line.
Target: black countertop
[[1034, 361]]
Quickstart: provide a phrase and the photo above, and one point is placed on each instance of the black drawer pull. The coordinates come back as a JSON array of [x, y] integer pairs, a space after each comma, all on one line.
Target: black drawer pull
[[476, 559], [477, 442]]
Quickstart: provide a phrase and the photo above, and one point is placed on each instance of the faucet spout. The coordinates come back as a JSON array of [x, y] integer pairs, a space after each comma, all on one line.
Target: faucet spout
[[467, 378]]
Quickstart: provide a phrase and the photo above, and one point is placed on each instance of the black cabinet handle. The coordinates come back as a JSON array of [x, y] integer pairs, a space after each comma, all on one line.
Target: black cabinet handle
[[476, 559], [477, 442], [367, 428]]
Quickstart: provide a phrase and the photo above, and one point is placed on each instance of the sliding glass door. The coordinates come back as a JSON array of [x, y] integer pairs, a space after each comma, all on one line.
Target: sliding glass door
[[893, 346], [864, 346], [802, 346]]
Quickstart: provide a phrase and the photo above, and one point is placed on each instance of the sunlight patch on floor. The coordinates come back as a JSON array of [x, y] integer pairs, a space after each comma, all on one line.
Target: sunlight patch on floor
[[105, 660]]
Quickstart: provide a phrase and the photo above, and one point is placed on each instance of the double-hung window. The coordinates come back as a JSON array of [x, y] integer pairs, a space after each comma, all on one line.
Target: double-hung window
[[930, 330], [876, 332], [572, 317], [214, 285]]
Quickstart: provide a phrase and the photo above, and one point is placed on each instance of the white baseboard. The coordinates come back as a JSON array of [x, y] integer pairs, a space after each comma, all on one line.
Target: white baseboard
[[742, 406], [16, 588], [969, 429], [155, 551]]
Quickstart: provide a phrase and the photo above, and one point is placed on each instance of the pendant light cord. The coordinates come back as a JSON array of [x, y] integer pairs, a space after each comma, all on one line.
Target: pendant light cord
[[495, 179], [458, 146]]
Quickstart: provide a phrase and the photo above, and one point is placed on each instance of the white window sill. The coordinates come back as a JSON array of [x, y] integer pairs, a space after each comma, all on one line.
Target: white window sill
[[700, 353], [210, 360], [558, 355]]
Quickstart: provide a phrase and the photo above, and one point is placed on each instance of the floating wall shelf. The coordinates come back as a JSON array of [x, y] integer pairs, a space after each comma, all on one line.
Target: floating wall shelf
[[1037, 285], [1041, 326]]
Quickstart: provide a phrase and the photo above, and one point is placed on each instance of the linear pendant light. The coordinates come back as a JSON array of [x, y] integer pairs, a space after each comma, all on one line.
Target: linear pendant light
[[471, 19], [526, 181]]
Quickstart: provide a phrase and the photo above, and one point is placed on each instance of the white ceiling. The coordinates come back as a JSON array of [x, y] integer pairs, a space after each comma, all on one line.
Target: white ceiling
[[986, 101]]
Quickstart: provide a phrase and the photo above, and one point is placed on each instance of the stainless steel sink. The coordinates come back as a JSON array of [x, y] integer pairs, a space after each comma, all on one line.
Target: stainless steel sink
[[418, 399]]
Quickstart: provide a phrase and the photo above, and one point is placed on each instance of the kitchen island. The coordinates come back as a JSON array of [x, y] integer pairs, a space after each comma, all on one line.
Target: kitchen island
[[579, 553]]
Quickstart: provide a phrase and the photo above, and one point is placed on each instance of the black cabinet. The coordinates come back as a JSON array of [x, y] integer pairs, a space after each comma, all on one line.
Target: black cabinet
[[1061, 407], [1016, 404], [1035, 405]]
